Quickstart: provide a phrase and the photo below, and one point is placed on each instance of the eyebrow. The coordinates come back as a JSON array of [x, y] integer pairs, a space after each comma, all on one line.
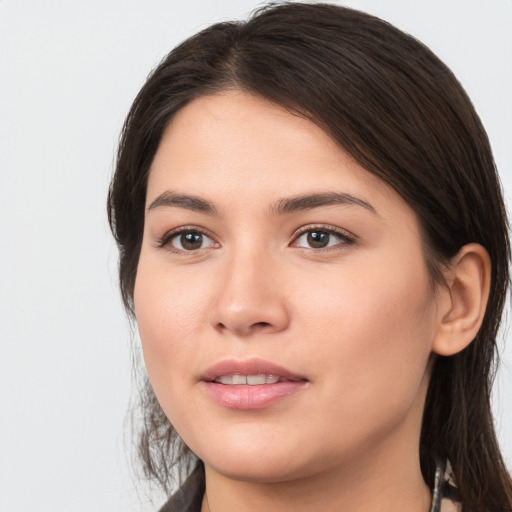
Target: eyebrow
[[193, 203], [310, 201], [281, 207]]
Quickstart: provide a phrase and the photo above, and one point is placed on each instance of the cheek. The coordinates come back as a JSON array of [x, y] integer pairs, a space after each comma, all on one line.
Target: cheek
[[169, 308], [373, 333]]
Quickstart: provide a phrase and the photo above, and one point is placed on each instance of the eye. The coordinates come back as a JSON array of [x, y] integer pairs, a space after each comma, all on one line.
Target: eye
[[188, 240], [321, 238]]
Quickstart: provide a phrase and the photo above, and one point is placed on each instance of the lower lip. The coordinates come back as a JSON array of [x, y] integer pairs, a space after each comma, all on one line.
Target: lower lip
[[251, 397]]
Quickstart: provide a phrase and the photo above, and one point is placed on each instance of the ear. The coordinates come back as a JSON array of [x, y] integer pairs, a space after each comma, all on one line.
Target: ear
[[462, 303]]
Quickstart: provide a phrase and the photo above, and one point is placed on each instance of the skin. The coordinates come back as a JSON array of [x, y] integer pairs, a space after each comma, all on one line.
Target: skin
[[358, 319]]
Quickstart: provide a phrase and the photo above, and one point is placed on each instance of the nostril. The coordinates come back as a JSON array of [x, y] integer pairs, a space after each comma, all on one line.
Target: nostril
[[244, 330], [261, 324]]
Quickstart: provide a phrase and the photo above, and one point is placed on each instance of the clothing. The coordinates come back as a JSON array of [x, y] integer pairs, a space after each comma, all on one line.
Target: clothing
[[190, 495]]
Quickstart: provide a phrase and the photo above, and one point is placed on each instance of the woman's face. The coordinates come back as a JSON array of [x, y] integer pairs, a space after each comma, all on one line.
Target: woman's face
[[282, 298]]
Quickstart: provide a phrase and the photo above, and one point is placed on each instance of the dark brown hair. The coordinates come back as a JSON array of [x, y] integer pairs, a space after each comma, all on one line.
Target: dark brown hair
[[389, 102]]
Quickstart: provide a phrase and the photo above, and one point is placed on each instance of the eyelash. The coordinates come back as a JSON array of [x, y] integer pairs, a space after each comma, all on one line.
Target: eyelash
[[166, 240], [345, 238]]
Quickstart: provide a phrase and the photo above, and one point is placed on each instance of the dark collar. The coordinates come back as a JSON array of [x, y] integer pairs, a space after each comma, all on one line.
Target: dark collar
[[189, 496]]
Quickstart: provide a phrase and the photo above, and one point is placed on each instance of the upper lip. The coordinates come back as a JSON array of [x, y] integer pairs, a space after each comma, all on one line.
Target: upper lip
[[248, 367]]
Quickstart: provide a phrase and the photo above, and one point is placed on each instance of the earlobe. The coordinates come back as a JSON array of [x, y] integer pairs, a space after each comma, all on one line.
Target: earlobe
[[463, 303]]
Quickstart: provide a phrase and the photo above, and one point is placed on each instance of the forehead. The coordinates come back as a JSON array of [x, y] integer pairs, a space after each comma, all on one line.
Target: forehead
[[240, 146]]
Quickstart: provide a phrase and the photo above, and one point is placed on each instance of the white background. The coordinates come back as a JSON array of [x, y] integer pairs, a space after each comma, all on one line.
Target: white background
[[68, 73]]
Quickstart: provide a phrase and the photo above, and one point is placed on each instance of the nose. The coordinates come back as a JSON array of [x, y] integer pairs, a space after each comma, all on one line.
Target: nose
[[250, 298]]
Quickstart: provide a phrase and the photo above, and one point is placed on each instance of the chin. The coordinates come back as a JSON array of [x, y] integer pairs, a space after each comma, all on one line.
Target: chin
[[261, 462]]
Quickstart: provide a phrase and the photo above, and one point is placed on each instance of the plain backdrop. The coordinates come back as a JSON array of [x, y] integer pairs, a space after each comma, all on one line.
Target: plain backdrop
[[68, 72]]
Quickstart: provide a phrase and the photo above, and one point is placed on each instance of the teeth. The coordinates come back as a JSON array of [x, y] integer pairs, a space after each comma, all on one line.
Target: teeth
[[239, 379], [251, 380], [225, 379]]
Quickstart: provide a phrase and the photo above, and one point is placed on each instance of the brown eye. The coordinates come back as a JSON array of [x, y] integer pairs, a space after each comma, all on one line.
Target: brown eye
[[322, 239], [318, 239], [191, 241]]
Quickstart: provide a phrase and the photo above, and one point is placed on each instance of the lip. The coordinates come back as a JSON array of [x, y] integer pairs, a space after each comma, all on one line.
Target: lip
[[248, 367], [249, 397]]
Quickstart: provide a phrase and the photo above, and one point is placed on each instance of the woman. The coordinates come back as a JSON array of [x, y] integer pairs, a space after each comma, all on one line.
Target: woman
[[314, 245]]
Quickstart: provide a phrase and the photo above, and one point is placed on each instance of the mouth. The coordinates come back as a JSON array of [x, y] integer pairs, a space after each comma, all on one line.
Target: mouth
[[252, 372], [249, 380], [251, 384]]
